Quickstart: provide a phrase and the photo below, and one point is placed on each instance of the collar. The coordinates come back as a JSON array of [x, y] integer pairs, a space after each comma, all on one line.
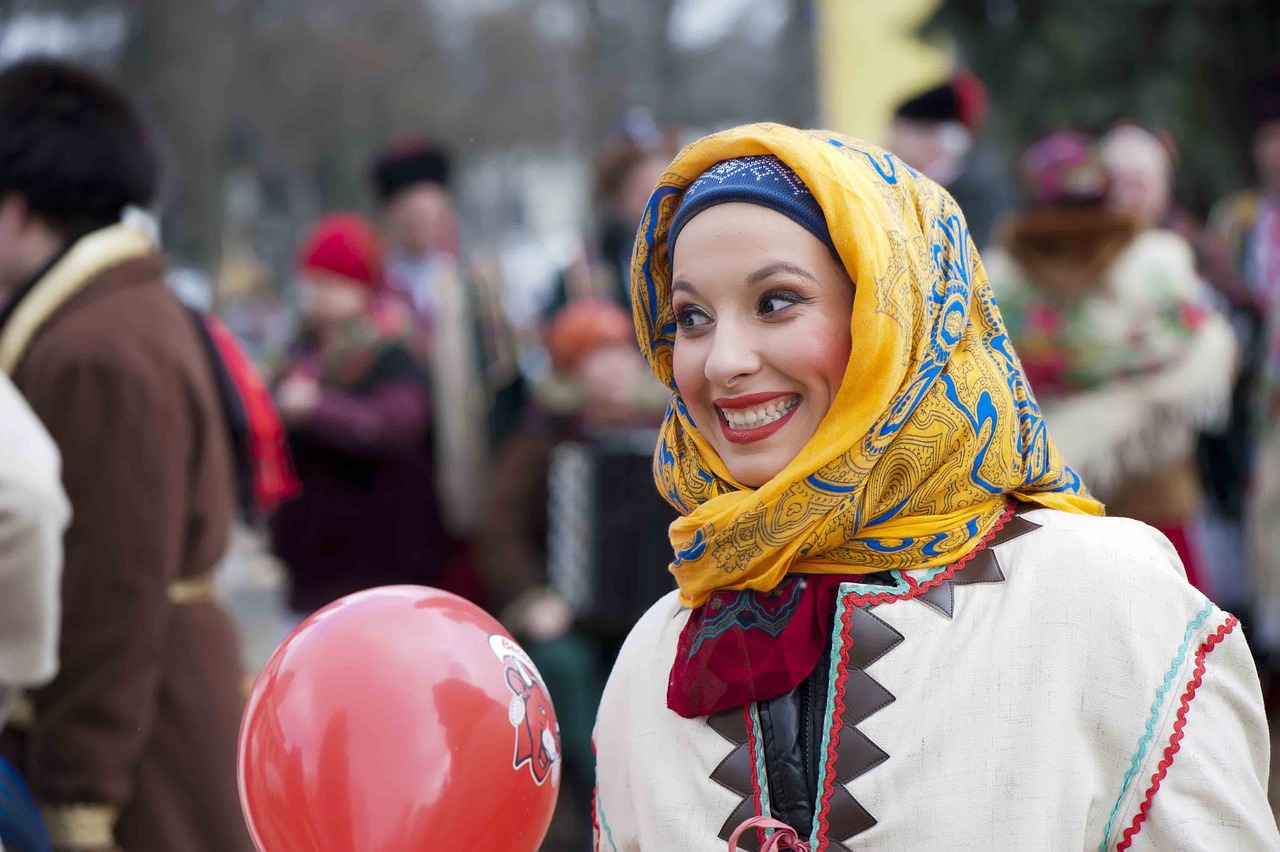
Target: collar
[[66, 277], [10, 307]]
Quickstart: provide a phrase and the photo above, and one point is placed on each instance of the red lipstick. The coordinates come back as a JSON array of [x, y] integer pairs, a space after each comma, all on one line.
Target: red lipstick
[[752, 434]]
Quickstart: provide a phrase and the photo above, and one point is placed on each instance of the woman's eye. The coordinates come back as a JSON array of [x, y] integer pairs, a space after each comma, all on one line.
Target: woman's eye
[[691, 318], [776, 302]]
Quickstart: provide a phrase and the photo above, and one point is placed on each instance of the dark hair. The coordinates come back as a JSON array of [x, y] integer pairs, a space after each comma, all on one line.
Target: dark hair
[[73, 146], [620, 156]]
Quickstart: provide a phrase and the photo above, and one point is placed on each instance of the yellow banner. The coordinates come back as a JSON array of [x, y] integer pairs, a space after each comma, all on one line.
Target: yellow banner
[[870, 59]]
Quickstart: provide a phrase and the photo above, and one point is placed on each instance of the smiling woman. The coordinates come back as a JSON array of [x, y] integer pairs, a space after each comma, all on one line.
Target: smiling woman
[[859, 464], [762, 334]]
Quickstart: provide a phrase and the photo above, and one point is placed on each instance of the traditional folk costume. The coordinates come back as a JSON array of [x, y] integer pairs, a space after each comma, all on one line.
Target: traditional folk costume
[[133, 742], [462, 338], [1119, 340], [919, 634]]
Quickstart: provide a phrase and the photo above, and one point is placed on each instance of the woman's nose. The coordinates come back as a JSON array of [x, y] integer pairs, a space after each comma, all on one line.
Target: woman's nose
[[734, 355]]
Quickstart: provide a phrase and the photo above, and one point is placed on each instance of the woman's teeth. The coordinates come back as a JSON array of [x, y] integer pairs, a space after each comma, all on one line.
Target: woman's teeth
[[761, 415]]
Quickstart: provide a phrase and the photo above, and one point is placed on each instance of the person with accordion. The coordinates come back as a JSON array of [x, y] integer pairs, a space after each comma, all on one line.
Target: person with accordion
[[571, 551]]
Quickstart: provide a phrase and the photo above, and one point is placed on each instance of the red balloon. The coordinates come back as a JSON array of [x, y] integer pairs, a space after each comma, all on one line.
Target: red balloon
[[401, 718]]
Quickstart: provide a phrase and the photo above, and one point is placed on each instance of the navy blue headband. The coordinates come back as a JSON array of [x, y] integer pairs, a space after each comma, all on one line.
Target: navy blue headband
[[764, 180]]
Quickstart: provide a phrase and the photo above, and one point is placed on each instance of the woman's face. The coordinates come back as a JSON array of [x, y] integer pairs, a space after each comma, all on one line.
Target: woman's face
[[1140, 181], [330, 299], [762, 334]]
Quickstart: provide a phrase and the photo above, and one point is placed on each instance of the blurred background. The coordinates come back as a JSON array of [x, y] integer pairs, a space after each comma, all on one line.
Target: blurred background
[[272, 109], [498, 155]]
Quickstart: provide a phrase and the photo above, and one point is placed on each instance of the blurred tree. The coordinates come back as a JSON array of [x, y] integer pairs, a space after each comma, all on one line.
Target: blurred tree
[[1180, 64], [272, 109]]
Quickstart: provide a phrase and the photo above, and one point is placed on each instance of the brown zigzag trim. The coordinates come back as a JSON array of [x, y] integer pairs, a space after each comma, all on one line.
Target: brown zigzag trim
[[984, 567], [735, 773], [869, 639]]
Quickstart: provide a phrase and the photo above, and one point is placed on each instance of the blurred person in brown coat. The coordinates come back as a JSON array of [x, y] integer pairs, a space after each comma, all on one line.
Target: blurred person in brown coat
[[604, 386], [133, 744]]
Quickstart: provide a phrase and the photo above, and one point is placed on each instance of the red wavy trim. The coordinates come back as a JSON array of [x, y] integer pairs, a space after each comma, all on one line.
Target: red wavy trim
[[917, 589], [1179, 723], [756, 794], [837, 724]]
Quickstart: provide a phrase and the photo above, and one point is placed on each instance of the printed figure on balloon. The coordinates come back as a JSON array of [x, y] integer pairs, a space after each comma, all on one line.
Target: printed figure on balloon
[[530, 713]]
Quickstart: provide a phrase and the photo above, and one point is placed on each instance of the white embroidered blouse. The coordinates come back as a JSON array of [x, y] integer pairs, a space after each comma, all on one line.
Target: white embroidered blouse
[[1081, 696]]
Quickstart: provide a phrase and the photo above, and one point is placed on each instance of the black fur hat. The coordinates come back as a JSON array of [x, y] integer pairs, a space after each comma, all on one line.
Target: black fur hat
[[407, 165]]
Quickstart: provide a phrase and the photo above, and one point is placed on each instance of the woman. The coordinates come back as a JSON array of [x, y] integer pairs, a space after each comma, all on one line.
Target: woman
[[357, 408], [1141, 164], [900, 624], [1117, 336]]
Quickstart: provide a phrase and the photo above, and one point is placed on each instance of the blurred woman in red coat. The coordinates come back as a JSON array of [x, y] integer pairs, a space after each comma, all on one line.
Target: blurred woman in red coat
[[357, 407]]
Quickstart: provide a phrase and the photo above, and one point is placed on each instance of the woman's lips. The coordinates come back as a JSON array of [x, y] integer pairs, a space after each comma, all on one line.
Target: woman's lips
[[755, 416]]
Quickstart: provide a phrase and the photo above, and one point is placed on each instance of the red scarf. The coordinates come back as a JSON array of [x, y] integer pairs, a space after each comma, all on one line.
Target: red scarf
[[274, 479]]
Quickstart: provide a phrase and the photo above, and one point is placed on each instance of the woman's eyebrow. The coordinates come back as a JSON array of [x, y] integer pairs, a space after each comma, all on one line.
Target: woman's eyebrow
[[683, 286], [773, 269]]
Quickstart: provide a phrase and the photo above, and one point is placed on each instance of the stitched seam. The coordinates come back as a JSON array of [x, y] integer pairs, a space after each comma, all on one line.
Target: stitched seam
[[1179, 725], [888, 597], [1157, 704]]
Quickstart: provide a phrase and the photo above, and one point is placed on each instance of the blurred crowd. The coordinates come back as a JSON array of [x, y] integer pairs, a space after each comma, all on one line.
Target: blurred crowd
[[379, 421]]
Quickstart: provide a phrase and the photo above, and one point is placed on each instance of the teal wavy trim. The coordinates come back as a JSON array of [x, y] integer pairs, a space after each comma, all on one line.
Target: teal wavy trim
[[1144, 742], [762, 776], [899, 585], [604, 825], [838, 641]]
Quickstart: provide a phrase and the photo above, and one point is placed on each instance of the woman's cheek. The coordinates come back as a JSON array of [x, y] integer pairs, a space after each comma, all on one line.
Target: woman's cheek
[[686, 367]]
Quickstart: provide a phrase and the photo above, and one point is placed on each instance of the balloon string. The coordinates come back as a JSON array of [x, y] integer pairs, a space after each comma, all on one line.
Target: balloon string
[[784, 837]]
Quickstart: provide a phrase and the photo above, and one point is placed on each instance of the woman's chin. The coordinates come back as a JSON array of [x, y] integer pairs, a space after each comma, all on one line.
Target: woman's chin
[[755, 469]]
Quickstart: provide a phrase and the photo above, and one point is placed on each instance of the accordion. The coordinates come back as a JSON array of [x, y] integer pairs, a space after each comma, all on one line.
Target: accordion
[[607, 545]]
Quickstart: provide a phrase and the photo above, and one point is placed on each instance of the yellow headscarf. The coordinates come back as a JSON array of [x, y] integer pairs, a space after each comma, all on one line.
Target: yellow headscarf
[[934, 425]]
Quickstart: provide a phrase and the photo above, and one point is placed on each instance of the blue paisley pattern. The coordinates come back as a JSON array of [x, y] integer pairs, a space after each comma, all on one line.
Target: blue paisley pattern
[[918, 484]]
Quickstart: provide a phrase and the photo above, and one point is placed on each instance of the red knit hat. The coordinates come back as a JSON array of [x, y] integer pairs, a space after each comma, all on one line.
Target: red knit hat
[[344, 244], [580, 328]]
